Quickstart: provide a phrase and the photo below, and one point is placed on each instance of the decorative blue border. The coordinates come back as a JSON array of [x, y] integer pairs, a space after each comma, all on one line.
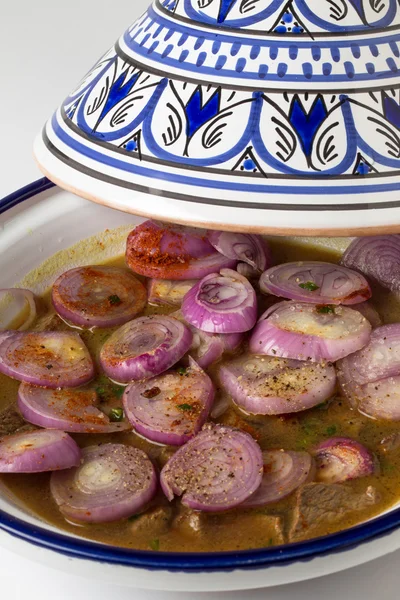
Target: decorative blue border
[[153, 173], [187, 562], [255, 44]]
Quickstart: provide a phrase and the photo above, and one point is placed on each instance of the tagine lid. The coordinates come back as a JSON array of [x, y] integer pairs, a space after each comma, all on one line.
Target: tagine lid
[[268, 116]]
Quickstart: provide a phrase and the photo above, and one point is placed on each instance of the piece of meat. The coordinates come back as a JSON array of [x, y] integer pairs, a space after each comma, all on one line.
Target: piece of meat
[[11, 421], [319, 506], [153, 523]]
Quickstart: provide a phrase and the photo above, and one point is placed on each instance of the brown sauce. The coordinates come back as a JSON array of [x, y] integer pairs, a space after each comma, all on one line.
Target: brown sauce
[[171, 527]]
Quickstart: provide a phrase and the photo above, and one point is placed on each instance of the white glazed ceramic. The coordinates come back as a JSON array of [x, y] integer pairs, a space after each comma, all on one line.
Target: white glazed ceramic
[[259, 115], [33, 229]]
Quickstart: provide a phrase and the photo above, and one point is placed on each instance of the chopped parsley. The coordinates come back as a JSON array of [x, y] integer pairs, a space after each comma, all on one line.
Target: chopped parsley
[[309, 285], [155, 545], [182, 371], [327, 309], [114, 300], [134, 518], [185, 407], [331, 430], [116, 415]]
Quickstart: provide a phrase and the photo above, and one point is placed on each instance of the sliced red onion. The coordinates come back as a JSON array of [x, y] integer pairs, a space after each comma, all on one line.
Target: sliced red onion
[[315, 282], [171, 408], [341, 459], [232, 341], [263, 385], [98, 296], [51, 359], [144, 348], [369, 312], [221, 303], [38, 451], [377, 257], [67, 410], [248, 248], [378, 359], [113, 482], [169, 293], [218, 469], [300, 330], [379, 400], [247, 271], [284, 472], [172, 252], [17, 309]]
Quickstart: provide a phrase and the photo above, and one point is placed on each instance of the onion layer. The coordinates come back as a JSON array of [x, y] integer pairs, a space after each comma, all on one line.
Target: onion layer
[[38, 452], [284, 472], [303, 332], [50, 359], [113, 482], [263, 385], [377, 257], [221, 303], [98, 296], [377, 400], [378, 360], [218, 469], [248, 248], [67, 410], [341, 459], [17, 309], [144, 348], [171, 408], [369, 312], [169, 293], [315, 282], [172, 252]]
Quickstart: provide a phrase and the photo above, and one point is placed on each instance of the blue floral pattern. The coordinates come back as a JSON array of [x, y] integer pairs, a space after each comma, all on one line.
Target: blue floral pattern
[[148, 117], [281, 16]]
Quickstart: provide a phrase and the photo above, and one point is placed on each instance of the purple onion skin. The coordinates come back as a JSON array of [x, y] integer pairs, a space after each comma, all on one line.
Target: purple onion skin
[[258, 384], [179, 426], [378, 360], [22, 358], [144, 364], [82, 296], [377, 257], [334, 284], [201, 471], [270, 339], [162, 251], [276, 486], [88, 503], [252, 250], [38, 452], [77, 414], [237, 316], [345, 458]]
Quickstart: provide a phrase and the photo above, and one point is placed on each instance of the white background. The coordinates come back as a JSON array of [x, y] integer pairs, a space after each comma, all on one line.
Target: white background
[[46, 46]]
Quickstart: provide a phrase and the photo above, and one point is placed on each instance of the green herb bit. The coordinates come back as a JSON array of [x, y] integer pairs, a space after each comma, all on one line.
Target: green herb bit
[[185, 407], [309, 285], [182, 371], [155, 545], [116, 415], [118, 391], [134, 518], [270, 542], [100, 391], [114, 300], [322, 406], [331, 430], [327, 309]]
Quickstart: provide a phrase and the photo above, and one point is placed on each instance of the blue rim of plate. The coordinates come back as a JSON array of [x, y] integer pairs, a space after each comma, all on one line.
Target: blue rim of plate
[[186, 562]]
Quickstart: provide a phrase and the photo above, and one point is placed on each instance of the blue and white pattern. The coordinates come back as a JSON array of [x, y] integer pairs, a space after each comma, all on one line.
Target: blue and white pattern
[[290, 107], [288, 17], [149, 117], [267, 62]]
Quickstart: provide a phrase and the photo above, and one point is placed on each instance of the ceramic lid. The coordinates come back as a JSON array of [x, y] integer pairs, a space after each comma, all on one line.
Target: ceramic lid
[[256, 115]]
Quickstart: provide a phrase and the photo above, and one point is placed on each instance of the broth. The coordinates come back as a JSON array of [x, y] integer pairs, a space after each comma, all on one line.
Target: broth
[[172, 527]]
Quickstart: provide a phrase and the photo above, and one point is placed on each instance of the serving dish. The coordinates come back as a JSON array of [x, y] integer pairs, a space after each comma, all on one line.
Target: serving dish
[[38, 224]]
